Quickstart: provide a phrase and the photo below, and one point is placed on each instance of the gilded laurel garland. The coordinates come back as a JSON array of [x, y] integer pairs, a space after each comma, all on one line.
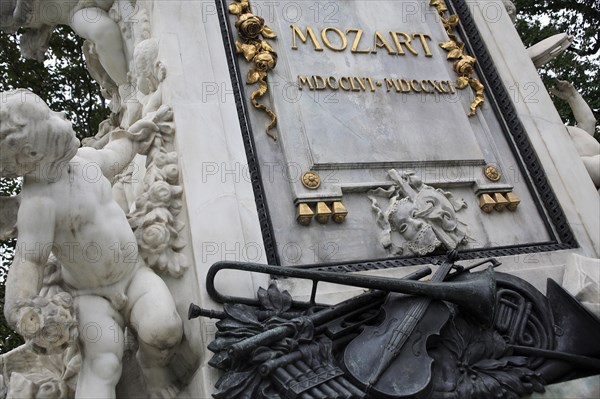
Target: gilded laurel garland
[[252, 31], [463, 64]]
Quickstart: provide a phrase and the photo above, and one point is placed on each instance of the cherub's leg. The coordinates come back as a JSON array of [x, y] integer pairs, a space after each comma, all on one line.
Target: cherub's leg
[[159, 329], [101, 338], [106, 35]]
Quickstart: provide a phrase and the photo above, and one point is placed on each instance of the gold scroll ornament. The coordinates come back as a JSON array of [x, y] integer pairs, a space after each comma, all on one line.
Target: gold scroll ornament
[[252, 33], [463, 64]]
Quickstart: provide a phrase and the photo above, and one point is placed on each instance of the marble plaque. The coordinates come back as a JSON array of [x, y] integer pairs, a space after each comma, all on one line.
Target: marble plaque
[[379, 102], [370, 122]]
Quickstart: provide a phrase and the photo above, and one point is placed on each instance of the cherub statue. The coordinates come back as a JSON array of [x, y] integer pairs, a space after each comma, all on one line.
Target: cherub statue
[[511, 10], [67, 209], [545, 50], [582, 134], [88, 18]]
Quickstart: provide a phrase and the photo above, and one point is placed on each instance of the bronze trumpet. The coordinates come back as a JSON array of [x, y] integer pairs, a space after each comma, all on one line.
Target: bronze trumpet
[[476, 294]]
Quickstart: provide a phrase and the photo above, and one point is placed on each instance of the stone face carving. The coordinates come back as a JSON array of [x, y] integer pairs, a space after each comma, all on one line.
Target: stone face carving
[[582, 134], [424, 217], [67, 208]]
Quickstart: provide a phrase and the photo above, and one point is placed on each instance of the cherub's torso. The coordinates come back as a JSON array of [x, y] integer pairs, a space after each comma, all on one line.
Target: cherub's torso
[[92, 238], [586, 145]]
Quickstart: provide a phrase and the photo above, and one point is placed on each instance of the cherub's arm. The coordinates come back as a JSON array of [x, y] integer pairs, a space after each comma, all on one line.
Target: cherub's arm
[[122, 148], [581, 110], [35, 225]]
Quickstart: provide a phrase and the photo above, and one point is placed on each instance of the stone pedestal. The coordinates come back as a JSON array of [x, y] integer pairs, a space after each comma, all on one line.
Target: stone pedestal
[[222, 218]]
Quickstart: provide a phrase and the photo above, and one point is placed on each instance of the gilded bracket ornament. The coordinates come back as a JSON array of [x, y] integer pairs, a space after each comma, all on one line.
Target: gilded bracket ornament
[[323, 212], [252, 31], [463, 64], [489, 202]]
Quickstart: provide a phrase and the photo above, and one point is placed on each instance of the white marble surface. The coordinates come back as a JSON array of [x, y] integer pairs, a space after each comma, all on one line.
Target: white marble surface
[[582, 280], [548, 134], [218, 196], [223, 223], [583, 388]]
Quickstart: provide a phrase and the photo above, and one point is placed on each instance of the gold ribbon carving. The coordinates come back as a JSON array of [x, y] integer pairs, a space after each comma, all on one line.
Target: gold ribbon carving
[[252, 43]]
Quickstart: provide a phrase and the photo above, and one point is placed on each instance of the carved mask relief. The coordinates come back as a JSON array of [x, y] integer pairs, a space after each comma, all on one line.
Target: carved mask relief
[[417, 218]]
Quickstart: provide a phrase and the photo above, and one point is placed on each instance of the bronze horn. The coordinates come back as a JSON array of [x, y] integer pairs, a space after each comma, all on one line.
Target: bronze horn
[[577, 343], [476, 294]]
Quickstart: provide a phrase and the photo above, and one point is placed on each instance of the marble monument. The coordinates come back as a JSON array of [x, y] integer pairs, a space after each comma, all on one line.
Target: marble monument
[[349, 136]]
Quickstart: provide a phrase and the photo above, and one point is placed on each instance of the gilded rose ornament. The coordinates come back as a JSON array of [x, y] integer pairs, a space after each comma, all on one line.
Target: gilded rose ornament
[[252, 30], [464, 65]]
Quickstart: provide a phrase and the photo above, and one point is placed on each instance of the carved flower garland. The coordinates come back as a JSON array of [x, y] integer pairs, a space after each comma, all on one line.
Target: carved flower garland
[[252, 30], [464, 65], [154, 221]]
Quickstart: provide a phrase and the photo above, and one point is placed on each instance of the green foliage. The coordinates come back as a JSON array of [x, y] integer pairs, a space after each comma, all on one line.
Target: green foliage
[[64, 83], [62, 80], [10, 339], [580, 64]]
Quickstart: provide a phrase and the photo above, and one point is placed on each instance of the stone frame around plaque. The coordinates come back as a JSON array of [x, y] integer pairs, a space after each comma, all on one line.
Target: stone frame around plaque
[[497, 95]]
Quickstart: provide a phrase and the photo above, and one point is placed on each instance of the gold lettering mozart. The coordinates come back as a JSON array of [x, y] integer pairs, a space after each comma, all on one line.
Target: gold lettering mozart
[[335, 39]]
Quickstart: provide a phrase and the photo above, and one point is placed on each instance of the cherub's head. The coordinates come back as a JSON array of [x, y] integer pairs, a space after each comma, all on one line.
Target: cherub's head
[[11, 16], [150, 71], [511, 10], [32, 135]]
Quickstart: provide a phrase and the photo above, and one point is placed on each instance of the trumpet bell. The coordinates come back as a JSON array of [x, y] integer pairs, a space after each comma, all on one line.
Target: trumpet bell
[[475, 293], [577, 331], [579, 328]]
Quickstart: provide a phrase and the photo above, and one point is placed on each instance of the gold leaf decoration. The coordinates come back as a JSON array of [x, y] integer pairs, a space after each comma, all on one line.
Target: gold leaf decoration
[[439, 5], [478, 88], [266, 46], [255, 96], [248, 50], [453, 20], [454, 54], [253, 76], [449, 45], [252, 30], [464, 65], [235, 8], [268, 33], [462, 82]]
